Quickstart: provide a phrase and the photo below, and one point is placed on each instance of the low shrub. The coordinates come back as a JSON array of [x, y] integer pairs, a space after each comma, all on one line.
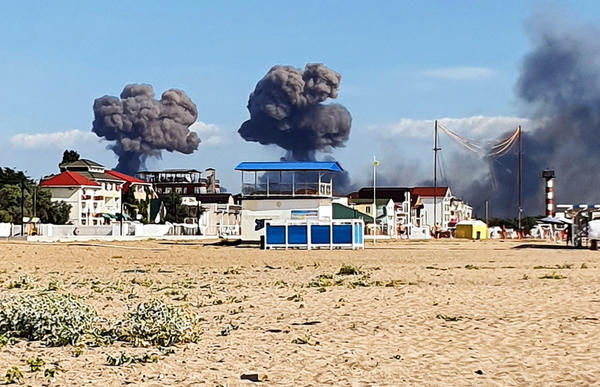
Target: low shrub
[[55, 319], [348, 270], [155, 323]]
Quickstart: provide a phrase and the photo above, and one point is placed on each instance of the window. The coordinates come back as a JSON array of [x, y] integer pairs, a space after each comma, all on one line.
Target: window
[[167, 190], [368, 209], [197, 190], [178, 190]]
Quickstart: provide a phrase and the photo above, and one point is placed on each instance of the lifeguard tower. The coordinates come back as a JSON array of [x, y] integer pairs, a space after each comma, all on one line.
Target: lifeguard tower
[[285, 193]]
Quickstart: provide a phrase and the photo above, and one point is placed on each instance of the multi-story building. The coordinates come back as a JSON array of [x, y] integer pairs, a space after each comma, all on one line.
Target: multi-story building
[[94, 192], [81, 193], [384, 214], [406, 206], [108, 199], [442, 197], [459, 211], [185, 182], [414, 207]]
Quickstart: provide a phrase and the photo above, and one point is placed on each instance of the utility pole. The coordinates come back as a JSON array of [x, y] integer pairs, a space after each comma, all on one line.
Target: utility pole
[[198, 214], [435, 151], [487, 208], [34, 199], [22, 206], [374, 213], [121, 210], [520, 179]]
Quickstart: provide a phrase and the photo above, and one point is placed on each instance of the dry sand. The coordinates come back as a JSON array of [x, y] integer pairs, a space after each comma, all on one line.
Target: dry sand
[[511, 328]]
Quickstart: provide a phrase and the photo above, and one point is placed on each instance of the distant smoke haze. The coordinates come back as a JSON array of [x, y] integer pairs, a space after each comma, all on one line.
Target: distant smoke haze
[[141, 126], [558, 90], [560, 87]]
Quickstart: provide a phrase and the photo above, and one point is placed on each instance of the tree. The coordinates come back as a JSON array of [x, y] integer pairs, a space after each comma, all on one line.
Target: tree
[[10, 200], [176, 211], [69, 156]]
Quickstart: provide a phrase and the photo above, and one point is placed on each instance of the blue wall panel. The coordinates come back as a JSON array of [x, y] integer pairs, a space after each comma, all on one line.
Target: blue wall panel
[[275, 235], [342, 233], [319, 234], [297, 235]]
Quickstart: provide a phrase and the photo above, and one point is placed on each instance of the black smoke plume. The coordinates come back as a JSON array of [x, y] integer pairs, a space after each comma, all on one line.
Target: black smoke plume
[[286, 109], [142, 126], [560, 86]]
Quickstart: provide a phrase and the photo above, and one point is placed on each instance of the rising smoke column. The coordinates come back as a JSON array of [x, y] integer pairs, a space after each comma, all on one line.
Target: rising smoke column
[[560, 86], [559, 90], [142, 126], [286, 109]]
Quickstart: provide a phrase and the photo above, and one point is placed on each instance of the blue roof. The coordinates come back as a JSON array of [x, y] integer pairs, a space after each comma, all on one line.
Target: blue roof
[[332, 166]]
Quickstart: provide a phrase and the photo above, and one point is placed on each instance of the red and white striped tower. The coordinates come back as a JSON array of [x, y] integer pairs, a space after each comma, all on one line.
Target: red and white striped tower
[[549, 176]]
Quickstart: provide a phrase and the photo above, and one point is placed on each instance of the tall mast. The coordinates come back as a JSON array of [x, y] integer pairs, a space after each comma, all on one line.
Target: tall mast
[[520, 178], [435, 151]]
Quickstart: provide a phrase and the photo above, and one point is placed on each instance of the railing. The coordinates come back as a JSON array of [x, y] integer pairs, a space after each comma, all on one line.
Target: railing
[[228, 229], [300, 189]]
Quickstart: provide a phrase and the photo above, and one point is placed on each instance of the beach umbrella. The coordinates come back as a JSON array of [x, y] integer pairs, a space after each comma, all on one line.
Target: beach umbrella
[[551, 220]]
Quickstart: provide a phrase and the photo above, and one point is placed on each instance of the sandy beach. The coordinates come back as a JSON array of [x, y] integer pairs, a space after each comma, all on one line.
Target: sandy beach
[[419, 313]]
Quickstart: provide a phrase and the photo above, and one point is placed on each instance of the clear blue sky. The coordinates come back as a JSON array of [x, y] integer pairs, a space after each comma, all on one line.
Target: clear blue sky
[[398, 59]]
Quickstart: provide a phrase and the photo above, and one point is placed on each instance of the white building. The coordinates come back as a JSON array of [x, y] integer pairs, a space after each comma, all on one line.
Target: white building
[[442, 198], [84, 196]]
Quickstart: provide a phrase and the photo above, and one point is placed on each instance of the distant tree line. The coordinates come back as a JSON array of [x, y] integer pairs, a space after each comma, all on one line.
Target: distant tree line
[[11, 182]]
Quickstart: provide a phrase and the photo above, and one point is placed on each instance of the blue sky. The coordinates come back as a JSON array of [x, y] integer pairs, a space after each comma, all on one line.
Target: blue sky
[[417, 60]]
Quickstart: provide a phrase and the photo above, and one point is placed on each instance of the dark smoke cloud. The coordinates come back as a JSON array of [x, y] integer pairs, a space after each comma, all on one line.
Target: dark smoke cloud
[[286, 109], [560, 87], [142, 126]]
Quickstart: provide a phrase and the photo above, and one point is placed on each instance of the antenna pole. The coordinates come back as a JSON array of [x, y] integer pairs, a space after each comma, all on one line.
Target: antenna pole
[[520, 179]]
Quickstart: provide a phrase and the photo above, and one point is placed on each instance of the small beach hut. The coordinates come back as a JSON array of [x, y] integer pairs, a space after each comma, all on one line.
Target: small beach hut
[[471, 229]]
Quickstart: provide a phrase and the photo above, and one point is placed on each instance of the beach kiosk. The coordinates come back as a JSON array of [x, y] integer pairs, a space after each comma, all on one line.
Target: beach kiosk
[[280, 199], [471, 229]]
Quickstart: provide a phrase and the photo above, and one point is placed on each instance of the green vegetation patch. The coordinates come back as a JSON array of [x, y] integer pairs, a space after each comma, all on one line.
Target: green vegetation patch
[[159, 324], [55, 319], [349, 270], [124, 359], [553, 275]]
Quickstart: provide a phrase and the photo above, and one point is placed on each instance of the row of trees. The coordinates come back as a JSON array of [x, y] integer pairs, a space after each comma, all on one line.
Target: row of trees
[[36, 200]]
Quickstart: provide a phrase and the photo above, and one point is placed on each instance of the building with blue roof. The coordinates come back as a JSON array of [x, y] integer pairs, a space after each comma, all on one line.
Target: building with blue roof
[[285, 190]]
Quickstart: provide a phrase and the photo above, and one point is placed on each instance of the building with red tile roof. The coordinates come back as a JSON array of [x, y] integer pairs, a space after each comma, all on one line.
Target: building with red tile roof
[[68, 179]]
